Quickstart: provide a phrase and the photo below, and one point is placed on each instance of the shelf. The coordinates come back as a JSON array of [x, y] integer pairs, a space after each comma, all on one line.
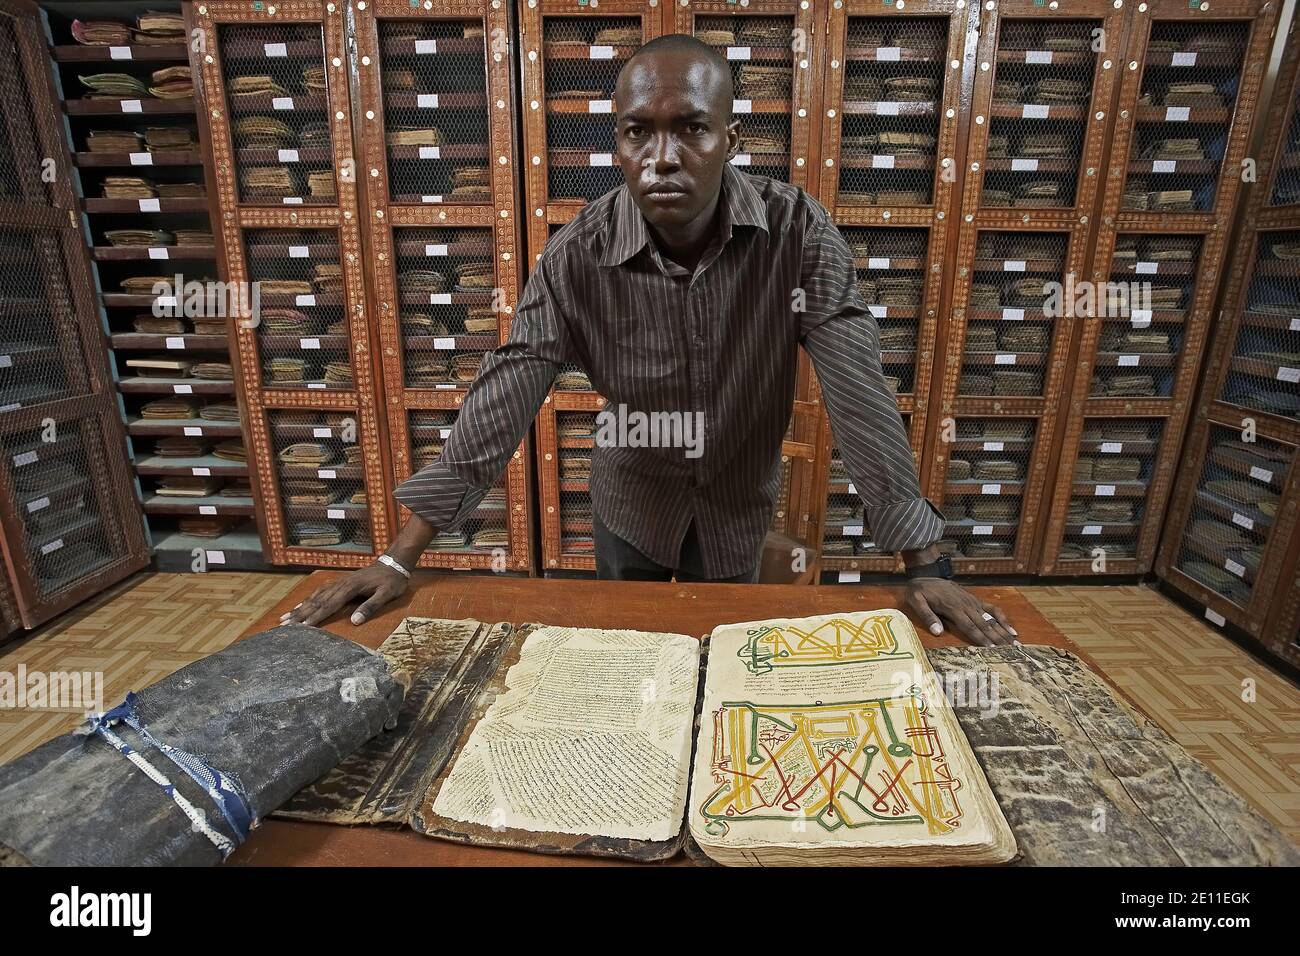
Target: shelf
[[145, 105], [168, 386], [135, 52], [238, 550], [141, 341], [179, 157], [163, 427], [165, 505], [216, 467], [132, 206], [143, 253]]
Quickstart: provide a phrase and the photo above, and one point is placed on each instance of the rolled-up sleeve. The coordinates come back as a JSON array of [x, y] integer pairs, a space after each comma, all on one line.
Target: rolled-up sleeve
[[501, 403], [843, 340]]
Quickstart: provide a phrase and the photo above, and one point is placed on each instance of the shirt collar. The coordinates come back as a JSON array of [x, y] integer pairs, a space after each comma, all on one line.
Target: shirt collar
[[628, 233]]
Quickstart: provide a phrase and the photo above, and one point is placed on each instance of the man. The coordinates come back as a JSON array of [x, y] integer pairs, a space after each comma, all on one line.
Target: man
[[687, 291]]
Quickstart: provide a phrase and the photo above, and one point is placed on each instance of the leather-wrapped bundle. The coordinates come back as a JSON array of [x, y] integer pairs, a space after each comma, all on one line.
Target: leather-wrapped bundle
[[271, 714]]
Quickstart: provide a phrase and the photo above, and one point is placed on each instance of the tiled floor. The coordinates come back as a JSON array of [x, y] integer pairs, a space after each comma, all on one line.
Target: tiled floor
[[1189, 678]]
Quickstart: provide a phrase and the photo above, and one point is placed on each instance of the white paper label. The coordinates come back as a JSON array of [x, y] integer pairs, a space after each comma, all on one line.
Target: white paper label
[[1140, 317], [335, 514], [1183, 58], [165, 301], [6, 362], [426, 46], [1038, 56], [282, 103], [317, 385], [600, 159], [1285, 374], [119, 53], [37, 505], [887, 108], [878, 311], [1004, 358], [1013, 265], [852, 531], [150, 205], [182, 390], [1147, 268], [1295, 325], [1240, 519], [1164, 165], [275, 49], [1022, 165], [304, 300], [433, 249], [215, 557], [446, 386], [741, 159], [1233, 567], [882, 162], [176, 342], [1104, 491], [287, 155], [141, 159], [993, 445], [982, 529], [427, 199], [738, 53], [742, 106], [193, 430], [157, 252], [201, 472], [426, 101], [292, 200], [299, 252], [1034, 111], [132, 106], [444, 432], [1112, 447], [440, 298], [322, 433], [600, 106], [207, 509], [1177, 114], [430, 152], [849, 577], [876, 262], [600, 53], [993, 489], [1091, 529], [52, 546], [309, 343], [325, 473], [1128, 360], [852, 488], [888, 53], [1215, 617], [26, 458], [1013, 315], [444, 344], [1261, 474]]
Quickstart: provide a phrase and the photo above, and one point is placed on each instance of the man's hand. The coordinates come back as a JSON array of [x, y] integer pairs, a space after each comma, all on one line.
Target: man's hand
[[378, 584], [979, 623]]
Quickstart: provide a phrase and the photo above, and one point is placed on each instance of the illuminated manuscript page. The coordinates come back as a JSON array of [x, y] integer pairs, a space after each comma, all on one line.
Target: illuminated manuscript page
[[826, 735], [591, 736]]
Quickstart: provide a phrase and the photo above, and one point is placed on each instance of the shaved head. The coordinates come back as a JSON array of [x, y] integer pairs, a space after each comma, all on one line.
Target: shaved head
[[709, 68]]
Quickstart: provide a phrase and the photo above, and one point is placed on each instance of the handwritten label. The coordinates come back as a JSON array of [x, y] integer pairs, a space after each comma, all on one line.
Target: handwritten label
[[739, 53], [1261, 474], [876, 262], [317, 385], [1147, 268], [1183, 58], [1233, 567], [852, 531], [1022, 165], [287, 155], [1177, 114], [1285, 374], [742, 106], [304, 300], [600, 159], [1034, 111], [1004, 358], [207, 509], [326, 473], [429, 199], [887, 108], [982, 529], [275, 49], [426, 101], [176, 342], [182, 390], [150, 205], [430, 152], [993, 445], [600, 53], [299, 252], [1243, 521], [741, 159], [887, 54], [878, 311], [882, 162], [282, 103], [1128, 360], [215, 557], [38, 505], [991, 489], [600, 106], [201, 472], [1164, 165], [309, 343], [1112, 447], [1013, 265], [426, 47], [158, 252], [440, 298], [444, 344], [132, 106], [26, 458], [292, 200], [1040, 57], [119, 53], [435, 249], [1104, 491], [52, 546], [141, 159], [322, 433], [1091, 529], [1013, 315], [849, 577], [193, 430], [1215, 617], [335, 514]]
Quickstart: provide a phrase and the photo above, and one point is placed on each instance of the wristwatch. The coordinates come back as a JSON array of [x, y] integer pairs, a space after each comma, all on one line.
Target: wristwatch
[[942, 568]]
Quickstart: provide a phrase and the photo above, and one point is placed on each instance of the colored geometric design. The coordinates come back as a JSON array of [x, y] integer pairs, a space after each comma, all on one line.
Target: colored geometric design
[[876, 762], [833, 642]]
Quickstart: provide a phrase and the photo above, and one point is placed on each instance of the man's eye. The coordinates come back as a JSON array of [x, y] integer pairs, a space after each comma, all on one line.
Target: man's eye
[[697, 129], [633, 132]]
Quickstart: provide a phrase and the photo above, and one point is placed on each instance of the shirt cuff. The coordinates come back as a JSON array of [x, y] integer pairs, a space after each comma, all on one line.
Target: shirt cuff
[[908, 525], [439, 496]]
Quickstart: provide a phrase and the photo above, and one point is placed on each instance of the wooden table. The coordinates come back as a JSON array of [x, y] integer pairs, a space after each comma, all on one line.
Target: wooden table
[[683, 608]]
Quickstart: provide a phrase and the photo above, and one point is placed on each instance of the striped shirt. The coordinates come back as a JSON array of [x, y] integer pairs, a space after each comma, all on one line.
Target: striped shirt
[[722, 342]]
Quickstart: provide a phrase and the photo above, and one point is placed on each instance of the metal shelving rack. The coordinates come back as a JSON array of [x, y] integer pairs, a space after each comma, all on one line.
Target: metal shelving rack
[[1183, 124], [1039, 112], [895, 81], [436, 127], [273, 84], [70, 523], [1229, 544]]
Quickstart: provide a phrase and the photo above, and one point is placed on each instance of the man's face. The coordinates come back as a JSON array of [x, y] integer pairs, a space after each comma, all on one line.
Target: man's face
[[673, 136]]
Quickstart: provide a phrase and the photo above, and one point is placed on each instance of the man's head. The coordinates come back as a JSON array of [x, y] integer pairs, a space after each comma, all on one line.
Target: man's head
[[675, 132]]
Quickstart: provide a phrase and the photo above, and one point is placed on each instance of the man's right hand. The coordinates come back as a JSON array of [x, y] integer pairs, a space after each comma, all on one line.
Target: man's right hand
[[377, 584]]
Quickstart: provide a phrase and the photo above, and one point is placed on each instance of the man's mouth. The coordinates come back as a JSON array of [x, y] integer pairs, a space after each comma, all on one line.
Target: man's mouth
[[663, 192]]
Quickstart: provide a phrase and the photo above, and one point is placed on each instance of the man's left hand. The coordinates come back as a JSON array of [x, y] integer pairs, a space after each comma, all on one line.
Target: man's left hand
[[932, 599]]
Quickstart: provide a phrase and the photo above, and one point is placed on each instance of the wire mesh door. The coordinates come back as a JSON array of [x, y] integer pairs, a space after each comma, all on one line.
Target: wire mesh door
[[890, 114], [565, 441], [68, 509], [437, 129], [1042, 106], [770, 47]]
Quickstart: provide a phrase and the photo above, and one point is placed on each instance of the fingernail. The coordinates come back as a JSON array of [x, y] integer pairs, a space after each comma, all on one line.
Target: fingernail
[[1013, 631], [936, 628], [357, 618]]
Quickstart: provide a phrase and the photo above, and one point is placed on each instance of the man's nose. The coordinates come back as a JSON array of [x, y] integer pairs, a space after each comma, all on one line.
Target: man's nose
[[666, 154]]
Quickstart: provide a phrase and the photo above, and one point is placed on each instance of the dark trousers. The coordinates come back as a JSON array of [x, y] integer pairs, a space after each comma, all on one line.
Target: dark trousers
[[616, 560]]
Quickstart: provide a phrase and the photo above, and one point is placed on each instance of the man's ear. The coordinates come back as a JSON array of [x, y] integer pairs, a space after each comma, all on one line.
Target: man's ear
[[733, 139]]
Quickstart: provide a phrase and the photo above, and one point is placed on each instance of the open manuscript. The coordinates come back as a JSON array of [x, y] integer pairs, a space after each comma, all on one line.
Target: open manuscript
[[820, 740]]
